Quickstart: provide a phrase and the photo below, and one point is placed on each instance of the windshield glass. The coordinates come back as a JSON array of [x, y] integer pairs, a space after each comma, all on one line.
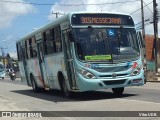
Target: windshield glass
[[109, 44], [1, 68]]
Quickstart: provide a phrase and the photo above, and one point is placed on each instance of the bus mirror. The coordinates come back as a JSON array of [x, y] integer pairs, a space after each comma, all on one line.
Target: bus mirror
[[71, 38]]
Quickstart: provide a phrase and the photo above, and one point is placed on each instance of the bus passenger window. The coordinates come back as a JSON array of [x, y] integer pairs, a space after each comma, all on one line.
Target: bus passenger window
[[26, 46], [30, 48], [57, 41], [48, 42], [19, 52], [27, 49], [45, 43], [53, 38], [34, 49], [24, 52]]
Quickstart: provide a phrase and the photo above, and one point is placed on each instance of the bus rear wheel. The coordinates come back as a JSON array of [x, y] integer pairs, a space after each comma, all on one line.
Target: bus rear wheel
[[36, 89], [118, 91]]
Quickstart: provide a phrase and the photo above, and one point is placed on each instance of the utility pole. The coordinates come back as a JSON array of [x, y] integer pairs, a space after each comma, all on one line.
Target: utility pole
[[156, 43], [142, 14], [143, 33], [57, 13]]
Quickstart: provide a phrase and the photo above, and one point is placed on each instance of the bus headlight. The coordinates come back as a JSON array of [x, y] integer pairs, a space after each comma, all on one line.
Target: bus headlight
[[86, 74], [136, 71]]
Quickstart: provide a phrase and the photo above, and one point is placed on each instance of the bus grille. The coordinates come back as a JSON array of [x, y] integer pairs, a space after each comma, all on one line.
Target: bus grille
[[112, 69], [118, 75], [114, 82]]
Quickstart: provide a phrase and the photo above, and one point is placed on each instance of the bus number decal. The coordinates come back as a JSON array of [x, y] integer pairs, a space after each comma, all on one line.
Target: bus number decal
[[91, 65], [95, 65]]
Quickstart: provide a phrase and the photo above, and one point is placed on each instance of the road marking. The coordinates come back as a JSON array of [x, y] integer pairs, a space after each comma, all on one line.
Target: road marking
[[139, 101], [68, 118]]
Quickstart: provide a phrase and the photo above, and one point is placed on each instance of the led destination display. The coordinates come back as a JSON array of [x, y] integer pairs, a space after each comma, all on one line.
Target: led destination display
[[101, 19], [94, 20]]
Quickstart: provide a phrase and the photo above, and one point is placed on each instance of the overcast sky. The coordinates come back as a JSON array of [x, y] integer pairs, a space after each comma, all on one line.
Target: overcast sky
[[19, 19]]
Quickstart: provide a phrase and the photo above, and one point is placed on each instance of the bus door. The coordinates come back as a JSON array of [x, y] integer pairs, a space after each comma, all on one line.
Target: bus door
[[69, 59], [42, 64]]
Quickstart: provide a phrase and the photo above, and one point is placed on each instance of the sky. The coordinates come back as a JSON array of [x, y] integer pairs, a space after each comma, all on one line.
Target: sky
[[21, 17]]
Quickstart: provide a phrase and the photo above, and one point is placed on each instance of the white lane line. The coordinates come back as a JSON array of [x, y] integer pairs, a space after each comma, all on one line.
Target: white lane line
[[139, 101]]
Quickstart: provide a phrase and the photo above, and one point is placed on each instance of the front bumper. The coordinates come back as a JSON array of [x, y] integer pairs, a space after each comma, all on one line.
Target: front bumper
[[105, 83]]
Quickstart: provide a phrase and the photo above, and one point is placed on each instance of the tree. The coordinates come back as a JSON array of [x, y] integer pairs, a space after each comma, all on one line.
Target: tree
[[9, 61]]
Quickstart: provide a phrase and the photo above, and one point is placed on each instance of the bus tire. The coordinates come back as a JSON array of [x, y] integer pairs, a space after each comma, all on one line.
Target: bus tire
[[118, 91], [67, 93], [35, 88]]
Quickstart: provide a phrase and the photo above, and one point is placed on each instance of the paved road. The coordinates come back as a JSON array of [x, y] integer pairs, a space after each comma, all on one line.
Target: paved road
[[16, 96]]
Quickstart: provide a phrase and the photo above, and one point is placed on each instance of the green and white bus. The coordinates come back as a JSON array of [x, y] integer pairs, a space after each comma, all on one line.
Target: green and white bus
[[82, 51]]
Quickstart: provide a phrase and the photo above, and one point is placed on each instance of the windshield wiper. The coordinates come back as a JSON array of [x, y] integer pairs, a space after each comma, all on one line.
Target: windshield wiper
[[91, 28], [95, 32]]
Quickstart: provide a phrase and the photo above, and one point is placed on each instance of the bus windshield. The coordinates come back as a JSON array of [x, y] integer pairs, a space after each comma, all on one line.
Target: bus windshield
[[106, 44]]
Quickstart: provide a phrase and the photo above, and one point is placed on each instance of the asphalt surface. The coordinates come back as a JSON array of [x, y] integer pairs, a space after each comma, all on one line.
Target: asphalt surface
[[14, 95]]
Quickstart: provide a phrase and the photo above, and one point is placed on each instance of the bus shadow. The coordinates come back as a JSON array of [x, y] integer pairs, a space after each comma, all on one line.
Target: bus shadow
[[57, 96], [98, 95], [54, 96]]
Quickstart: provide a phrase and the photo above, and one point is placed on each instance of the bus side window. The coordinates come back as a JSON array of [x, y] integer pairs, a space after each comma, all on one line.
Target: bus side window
[[30, 48], [18, 52], [27, 46], [57, 40], [34, 50], [45, 43], [24, 53], [27, 49], [48, 42], [53, 38], [17, 48]]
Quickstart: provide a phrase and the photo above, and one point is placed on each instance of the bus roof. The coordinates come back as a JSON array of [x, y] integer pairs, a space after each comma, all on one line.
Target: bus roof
[[99, 12]]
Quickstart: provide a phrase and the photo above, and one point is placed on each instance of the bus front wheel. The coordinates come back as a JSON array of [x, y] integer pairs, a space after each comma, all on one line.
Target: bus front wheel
[[118, 91], [66, 91]]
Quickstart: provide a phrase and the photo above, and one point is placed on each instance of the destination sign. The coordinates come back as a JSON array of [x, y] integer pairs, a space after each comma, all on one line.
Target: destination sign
[[95, 20], [101, 19]]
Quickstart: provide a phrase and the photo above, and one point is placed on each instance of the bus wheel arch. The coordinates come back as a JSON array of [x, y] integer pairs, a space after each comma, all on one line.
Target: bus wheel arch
[[60, 79], [64, 85]]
